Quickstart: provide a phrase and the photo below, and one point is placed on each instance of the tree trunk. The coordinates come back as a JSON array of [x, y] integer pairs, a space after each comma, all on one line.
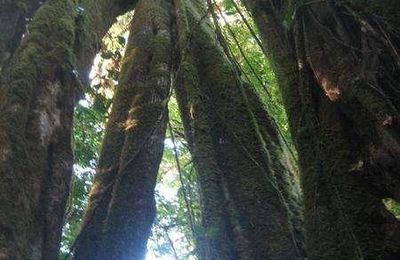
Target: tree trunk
[[14, 17], [218, 117], [337, 94], [121, 207], [215, 240], [38, 92], [360, 74]]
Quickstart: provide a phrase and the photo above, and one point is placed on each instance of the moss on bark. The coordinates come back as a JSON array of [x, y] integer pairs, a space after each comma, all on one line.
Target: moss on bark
[[330, 84], [260, 224], [38, 88], [215, 241], [32, 79], [14, 17], [121, 207]]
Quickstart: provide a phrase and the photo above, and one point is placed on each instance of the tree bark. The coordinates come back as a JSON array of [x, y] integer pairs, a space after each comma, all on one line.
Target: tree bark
[[14, 17], [218, 117], [337, 96], [121, 207], [38, 92], [215, 240]]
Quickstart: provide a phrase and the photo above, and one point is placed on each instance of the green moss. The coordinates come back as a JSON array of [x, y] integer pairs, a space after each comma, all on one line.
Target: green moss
[[46, 47], [240, 148], [133, 143], [344, 219]]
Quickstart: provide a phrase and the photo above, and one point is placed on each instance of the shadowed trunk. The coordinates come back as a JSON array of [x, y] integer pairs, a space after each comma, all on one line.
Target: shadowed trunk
[[14, 18], [121, 207], [38, 92], [219, 116], [338, 70], [217, 242]]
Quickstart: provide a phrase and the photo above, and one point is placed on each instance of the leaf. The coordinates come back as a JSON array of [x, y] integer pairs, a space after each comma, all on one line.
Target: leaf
[[106, 55], [121, 40]]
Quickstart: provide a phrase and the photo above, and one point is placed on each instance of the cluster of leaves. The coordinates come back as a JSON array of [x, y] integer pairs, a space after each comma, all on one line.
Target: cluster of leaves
[[393, 206]]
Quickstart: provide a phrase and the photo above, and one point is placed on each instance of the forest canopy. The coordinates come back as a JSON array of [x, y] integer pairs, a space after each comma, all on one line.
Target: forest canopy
[[201, 129]]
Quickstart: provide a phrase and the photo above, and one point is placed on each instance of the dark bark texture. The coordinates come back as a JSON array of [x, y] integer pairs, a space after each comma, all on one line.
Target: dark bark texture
[[14, 18], [217, 242], [245, 210], [121, 207], [38, 90], [338, 71]]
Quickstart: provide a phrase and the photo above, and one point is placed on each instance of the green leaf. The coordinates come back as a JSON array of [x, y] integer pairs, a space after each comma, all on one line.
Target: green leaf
[[121, 40]]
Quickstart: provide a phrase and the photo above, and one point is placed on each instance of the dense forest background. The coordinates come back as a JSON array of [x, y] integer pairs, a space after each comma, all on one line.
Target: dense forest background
[[259, 129]]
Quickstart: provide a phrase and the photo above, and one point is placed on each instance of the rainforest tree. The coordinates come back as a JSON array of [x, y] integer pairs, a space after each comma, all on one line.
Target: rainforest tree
[[233, 137], [14, 16], [121, 207], [337, 66], [39, 85], [239, 224]]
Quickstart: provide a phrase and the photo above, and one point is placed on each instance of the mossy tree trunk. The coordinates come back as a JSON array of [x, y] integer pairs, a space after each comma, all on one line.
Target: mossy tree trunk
[[38, 91], [215, 240], [121, 207], [338, 71], [246, 214], [14, 17]]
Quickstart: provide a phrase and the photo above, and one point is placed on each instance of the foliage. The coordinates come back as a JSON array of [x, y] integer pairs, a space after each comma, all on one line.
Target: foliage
[[88, 135], [81, 183], [172, 232], [393, 206]]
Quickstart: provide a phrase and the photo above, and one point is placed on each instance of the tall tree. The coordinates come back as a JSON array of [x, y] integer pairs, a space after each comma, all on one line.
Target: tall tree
[[38, 89], [229, 136], [338, 72], [215, 240], [121, 207], [235, 149]]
